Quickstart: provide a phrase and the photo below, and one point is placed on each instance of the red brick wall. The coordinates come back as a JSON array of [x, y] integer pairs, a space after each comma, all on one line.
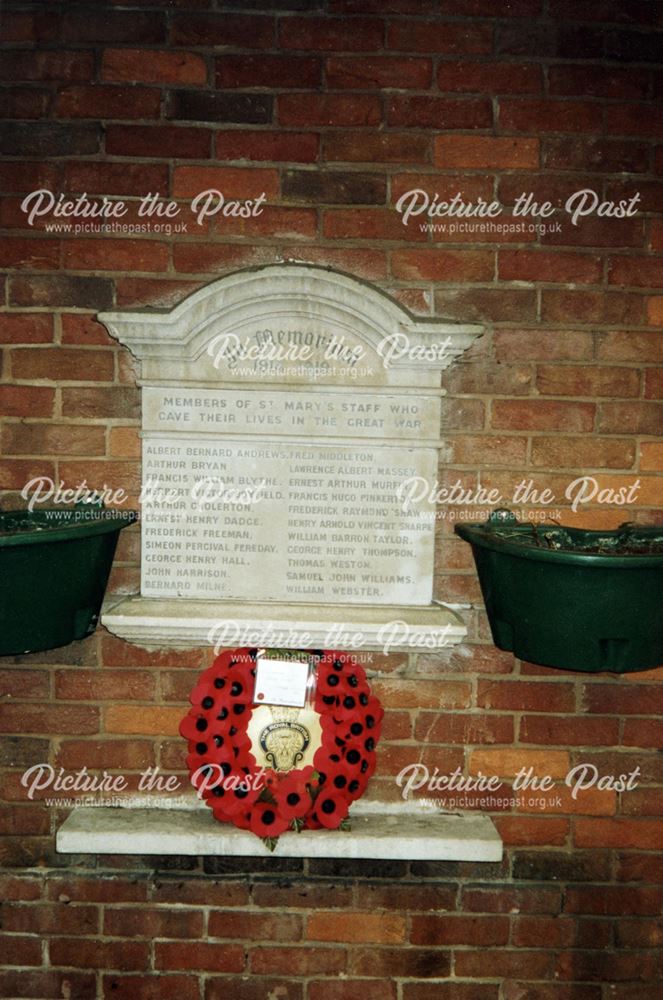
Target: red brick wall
[[335, 109]]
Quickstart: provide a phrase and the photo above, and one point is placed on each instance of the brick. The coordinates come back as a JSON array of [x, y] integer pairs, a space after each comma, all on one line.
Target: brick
[[645, 272], [529, 831], [56, 719], [33, 254], [220, 106], [99, 101], [18, 751], [218, 29], [334, 187], [24, 102], [612, 899], [408, 963], [328, 109], [26, 328], [204, 257], [445, 186], [48, 918], [97, 888], [597, 232], [399, 896], [24, 684], [61, 290], [46, 985], [16, 473], [643, 699], [331, 34], [577, 380], [150, 66], [118, 653], [630, 418], [442, 265], [486, 151], [655, 310], [504, 964], [547, 116], [163, 140], [63, 364], [142, 720], [537, 265], [199, 955], [490, 77], [570, 731], [583, 453], [151, 987], [529, 345], [202, 892], [512, 899], [349, 989], [86, 330], [255, 926], [451, 991], [366, 224], [274, 72], [439, 113], [546, 415], [46, 64], [162, 294], [639, 934], [377, 72], [560, 867], [29, 26], [43, 438], [459, 930], [610, 155], [116, 255], [130, 755], [614, 308], [632, 119], [115, 178], [488, 449], [48, 139], [356, 927], [120, 685], [302, 895], [651, 456], [373, 147], [508, 762], [294, 961], [523, 696], [630, 345], [152, 923], [446, 38], [124, 442], [233, 182], [114, 26], [639, 867], [498, 305], [598, 81], [280, 147], [122, 402], [92, 953]]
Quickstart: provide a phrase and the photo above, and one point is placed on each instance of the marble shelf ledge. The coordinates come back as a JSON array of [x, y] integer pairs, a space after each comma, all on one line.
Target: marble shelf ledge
[[396, 831], [184, 623]]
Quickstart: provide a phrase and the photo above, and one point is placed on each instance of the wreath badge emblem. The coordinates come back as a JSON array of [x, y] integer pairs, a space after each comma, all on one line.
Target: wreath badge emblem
[[248, 774]]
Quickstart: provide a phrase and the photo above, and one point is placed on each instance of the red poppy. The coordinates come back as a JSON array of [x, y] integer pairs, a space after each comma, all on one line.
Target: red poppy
[[292, 796], [267, 821], [331, 808]]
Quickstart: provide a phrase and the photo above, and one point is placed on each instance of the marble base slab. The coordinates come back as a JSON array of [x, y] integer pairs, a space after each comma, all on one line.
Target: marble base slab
[[400, 831], [157, 623]]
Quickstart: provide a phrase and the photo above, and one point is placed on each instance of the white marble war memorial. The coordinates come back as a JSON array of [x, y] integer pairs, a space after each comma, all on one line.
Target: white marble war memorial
[[283, 409]]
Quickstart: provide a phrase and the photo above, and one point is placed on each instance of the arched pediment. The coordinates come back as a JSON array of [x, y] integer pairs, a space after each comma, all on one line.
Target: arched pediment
[[294, 322]]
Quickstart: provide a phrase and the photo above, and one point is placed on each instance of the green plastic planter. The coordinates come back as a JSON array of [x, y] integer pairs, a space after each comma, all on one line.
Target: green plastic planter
[[570, 598], [54, 567]]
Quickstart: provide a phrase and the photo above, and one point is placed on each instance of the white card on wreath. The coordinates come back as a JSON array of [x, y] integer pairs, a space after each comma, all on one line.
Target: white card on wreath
[[281, 682]]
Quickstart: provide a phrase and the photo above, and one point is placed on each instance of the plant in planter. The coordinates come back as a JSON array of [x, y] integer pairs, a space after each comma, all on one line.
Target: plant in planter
[[54, 567], [571, 598]]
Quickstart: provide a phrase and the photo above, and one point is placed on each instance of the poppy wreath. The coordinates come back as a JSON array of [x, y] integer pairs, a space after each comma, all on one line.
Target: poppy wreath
[[224, 770]]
